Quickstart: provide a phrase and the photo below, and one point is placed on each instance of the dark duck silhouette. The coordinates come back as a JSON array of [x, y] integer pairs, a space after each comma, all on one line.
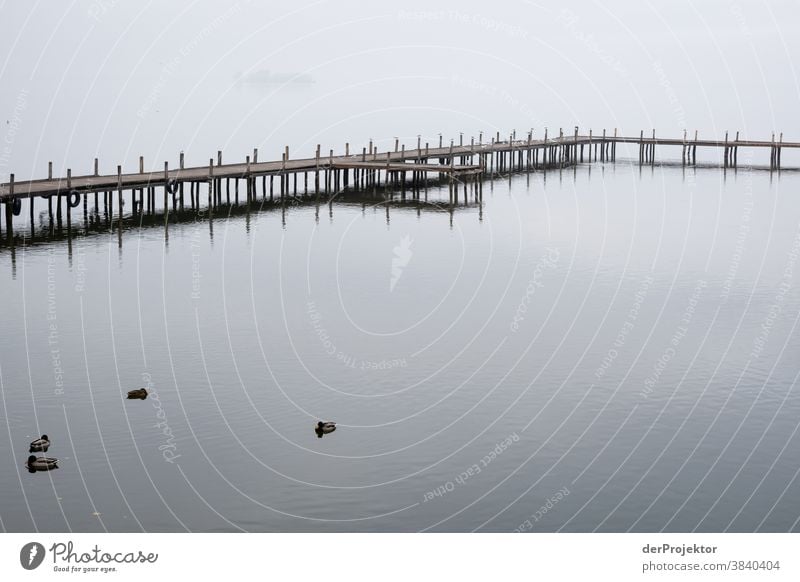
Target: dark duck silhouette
[[323, 428], [40, 445], [41, 463]]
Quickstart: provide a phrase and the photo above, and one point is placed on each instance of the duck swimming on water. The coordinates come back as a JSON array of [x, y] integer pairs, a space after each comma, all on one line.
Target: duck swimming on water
[[140, 393], [40, 445], [41, 463], [324, 428]]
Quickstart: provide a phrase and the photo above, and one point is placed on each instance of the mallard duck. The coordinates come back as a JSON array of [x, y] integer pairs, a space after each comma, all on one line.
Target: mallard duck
[[40, 445], [324, 428], [140, 393], [41, 463]]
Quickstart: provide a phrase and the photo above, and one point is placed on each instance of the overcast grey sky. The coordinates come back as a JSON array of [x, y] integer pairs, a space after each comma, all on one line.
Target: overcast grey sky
[[121, 79]]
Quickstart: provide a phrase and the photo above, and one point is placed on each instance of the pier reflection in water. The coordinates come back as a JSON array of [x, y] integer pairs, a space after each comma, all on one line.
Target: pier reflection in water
[[94, 219]]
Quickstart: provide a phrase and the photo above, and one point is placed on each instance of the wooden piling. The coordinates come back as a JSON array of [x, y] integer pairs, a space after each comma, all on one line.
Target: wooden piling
[[209, 184], [180, 185], [603, 147], [119, 194], [725, 152], [544, 150], [683, 150], [166, 188], [31, 201], [9, 213], [653, 149], [614, 147]]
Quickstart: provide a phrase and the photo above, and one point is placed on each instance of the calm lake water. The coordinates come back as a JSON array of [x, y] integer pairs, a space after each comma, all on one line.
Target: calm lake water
[[603, 348]]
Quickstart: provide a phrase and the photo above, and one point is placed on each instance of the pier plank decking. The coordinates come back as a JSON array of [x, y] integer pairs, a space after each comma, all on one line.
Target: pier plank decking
[[399, 169]]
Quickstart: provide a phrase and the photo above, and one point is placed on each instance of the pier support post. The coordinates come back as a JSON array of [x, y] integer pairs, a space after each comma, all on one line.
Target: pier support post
[[544, 150], [119, 194], [248, 193], [166, 192], [9, 212], [180, 185], [603, 147], [58, 203], [148, 208], [683, 150], [772, 156], [725, 152], [529, 151], [211, 184], [653, 149], [316, 171], [283, 174], [641, 147], [31, 200], [331, 171], [69, 196], [614, 147]]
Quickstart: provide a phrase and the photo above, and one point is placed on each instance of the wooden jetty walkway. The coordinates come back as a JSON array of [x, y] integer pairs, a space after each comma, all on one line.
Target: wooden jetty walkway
[[462, 164]]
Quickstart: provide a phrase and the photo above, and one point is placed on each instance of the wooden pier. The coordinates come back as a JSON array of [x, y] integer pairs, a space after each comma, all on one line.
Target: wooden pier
[[462, 164]]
